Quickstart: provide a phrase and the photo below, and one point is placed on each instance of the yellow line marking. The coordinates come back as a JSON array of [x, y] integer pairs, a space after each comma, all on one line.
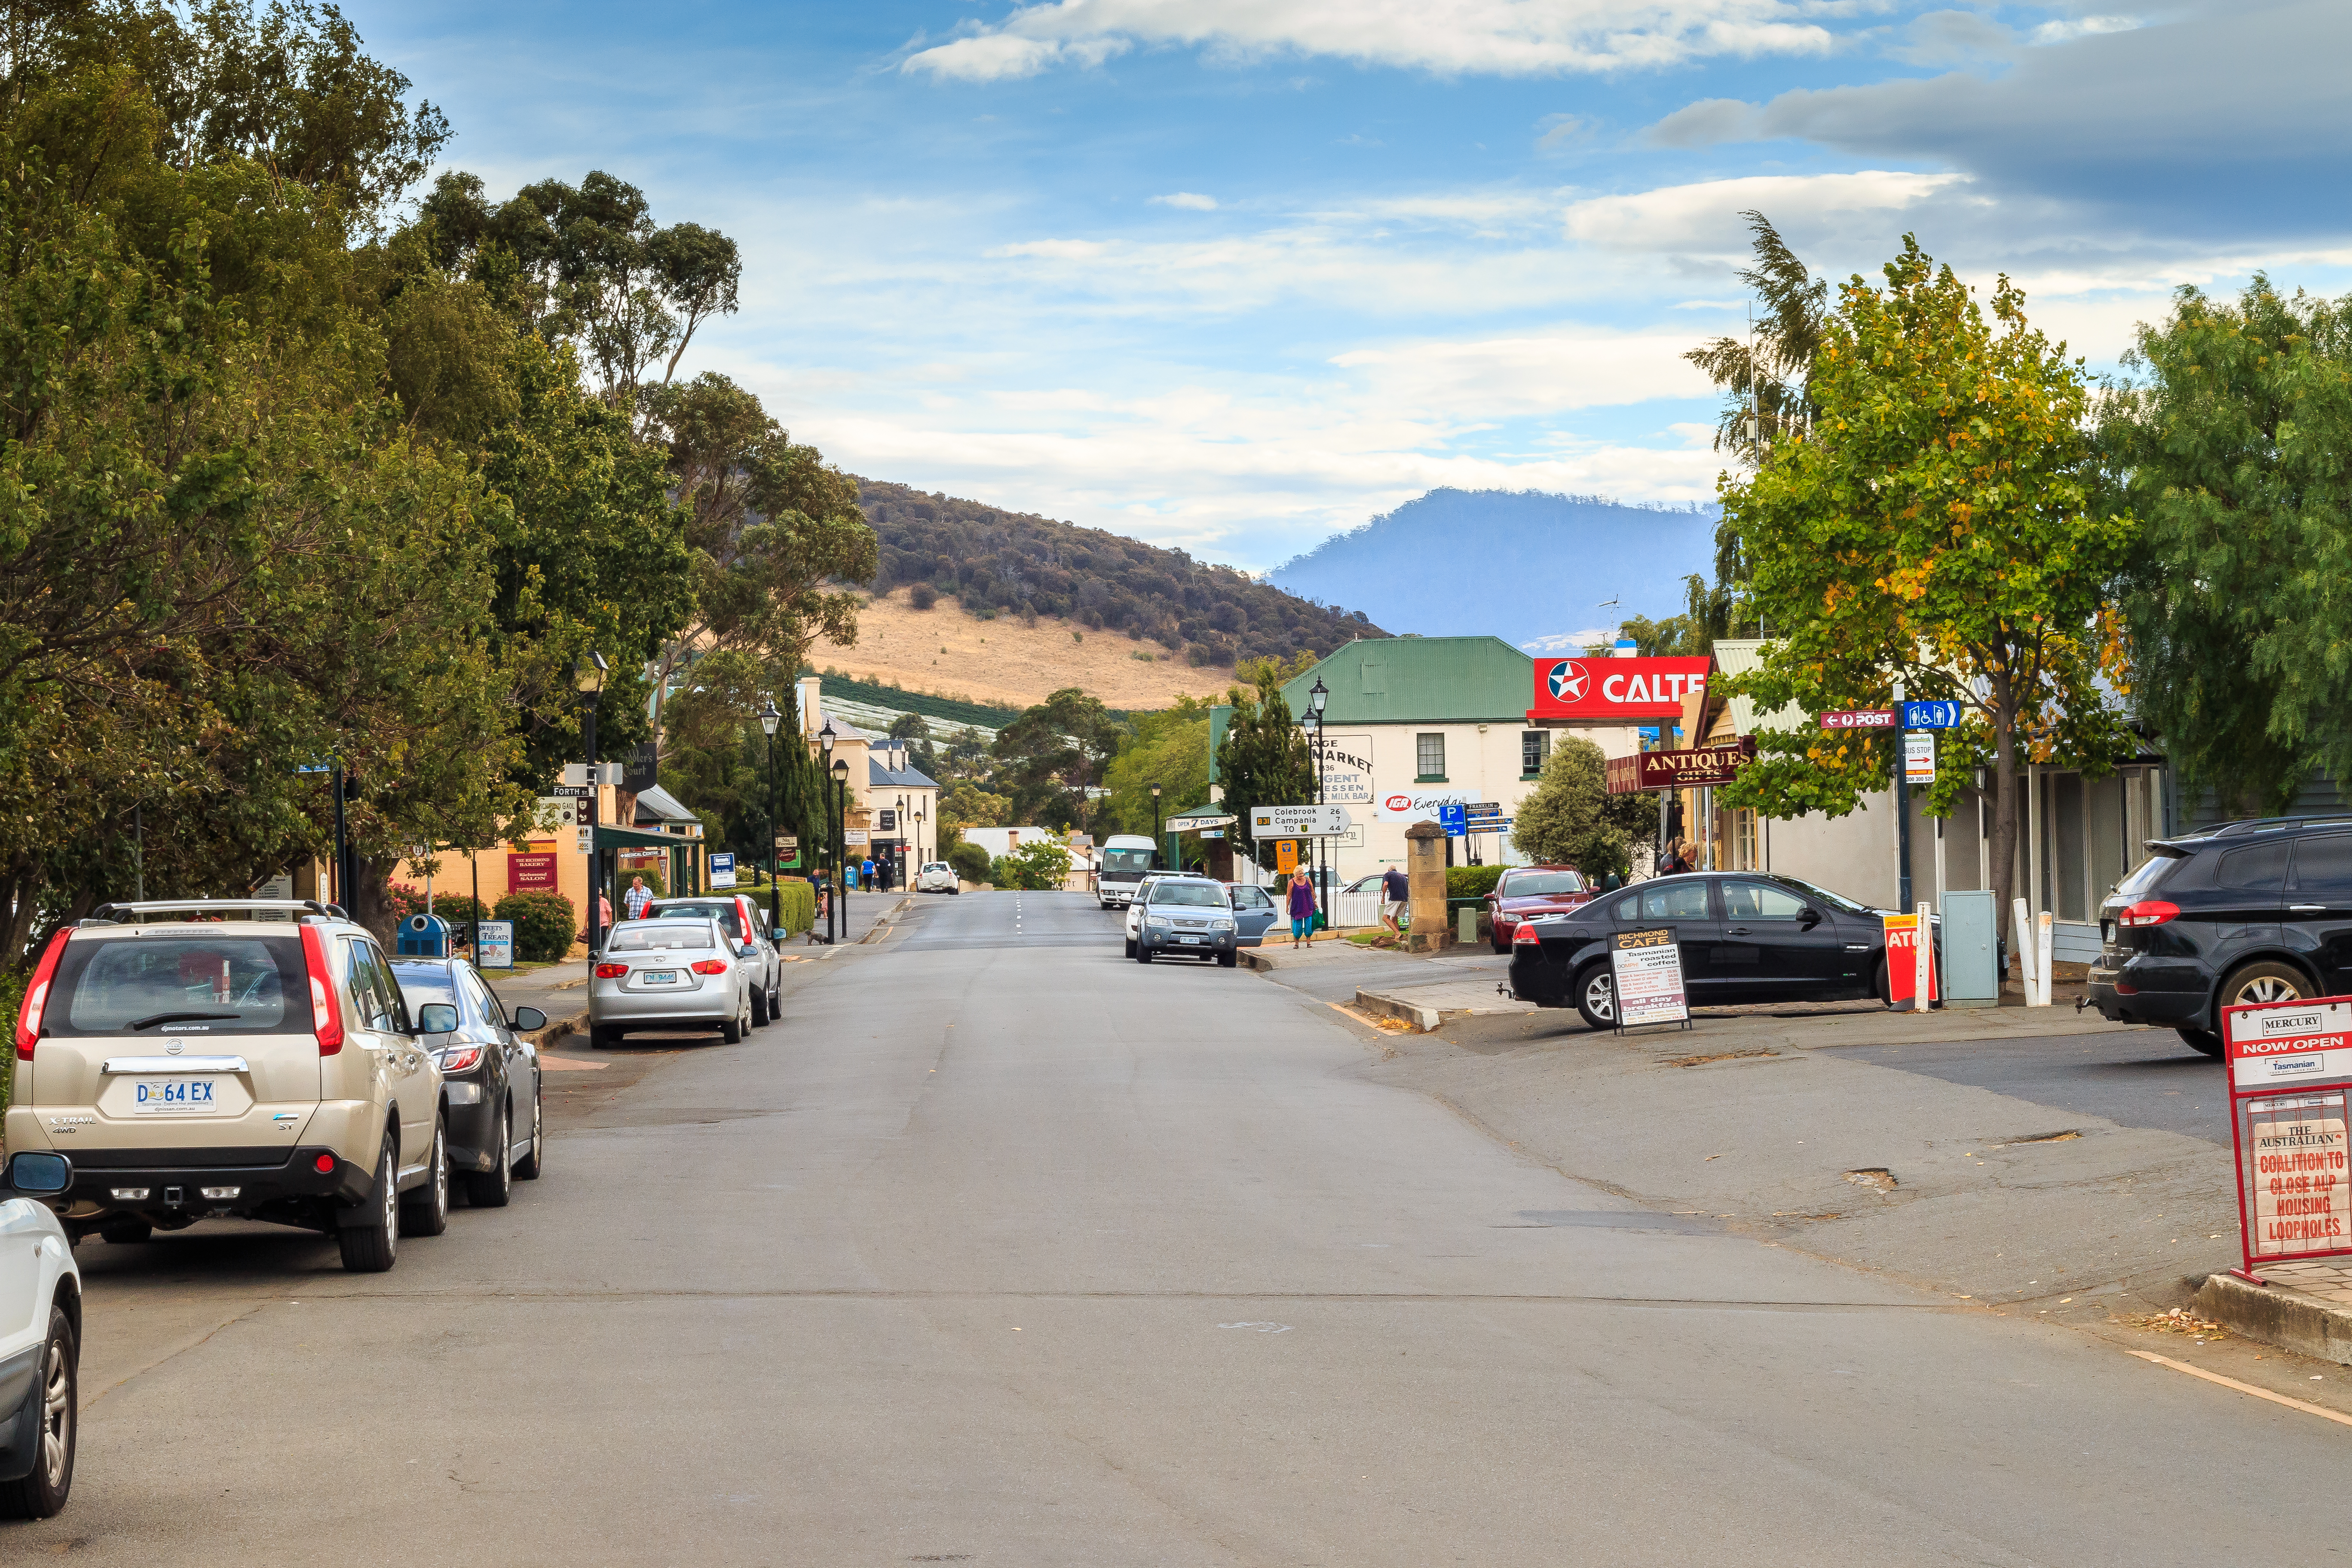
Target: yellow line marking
[[2308, 1409]]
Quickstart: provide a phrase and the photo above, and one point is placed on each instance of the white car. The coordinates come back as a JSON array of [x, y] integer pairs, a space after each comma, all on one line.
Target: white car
[[677, 973], [938, 876], [40, 1339]]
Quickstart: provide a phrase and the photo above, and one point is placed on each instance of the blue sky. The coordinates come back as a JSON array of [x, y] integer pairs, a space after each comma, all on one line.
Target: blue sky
[[1235, 274]]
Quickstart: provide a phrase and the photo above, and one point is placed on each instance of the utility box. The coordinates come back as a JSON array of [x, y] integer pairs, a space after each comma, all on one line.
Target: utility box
[[423, 936], [1466, 926], [1971, 945]]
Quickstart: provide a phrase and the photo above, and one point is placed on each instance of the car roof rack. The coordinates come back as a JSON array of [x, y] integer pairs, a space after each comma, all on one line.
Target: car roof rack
[[113, 915], [2260, 824]]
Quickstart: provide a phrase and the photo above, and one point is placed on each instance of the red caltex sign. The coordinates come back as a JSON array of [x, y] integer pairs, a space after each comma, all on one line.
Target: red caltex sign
[[1599, 690], [2290, 1077]]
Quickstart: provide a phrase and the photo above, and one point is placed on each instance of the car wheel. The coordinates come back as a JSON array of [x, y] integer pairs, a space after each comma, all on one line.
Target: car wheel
[[601, 1038], [759, 1008], [1499, 945], [528, 1168], [371, 1246], [2204, 1040], [1227, 960], [490, 1189], [1130, 949], [776, 1005], [425, 1211], [1596, 997], [2258, 982], [124, 1231], [1142, 953], [1880, 986], [733, 1030], [56, 1400]]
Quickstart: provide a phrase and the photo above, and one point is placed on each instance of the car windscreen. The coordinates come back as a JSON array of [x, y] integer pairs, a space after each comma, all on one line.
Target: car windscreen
[[720, 910], [1537, 884], [661, 936], [1127, 859], [180, 985], [423, 983], [1192, 895], [1837, 901]]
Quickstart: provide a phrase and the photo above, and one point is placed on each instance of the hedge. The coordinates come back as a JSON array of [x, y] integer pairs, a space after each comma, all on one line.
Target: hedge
[[460, 909], [544, 925], [795, 901], [1471, 881]]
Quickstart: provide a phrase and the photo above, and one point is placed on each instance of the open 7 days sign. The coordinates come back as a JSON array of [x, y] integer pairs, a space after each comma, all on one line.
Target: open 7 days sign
[[2290, 1073]]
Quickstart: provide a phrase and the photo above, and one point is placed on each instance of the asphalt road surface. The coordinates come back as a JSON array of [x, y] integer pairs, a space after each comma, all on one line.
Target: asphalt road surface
[[2139, 1079], [1002, 1249]]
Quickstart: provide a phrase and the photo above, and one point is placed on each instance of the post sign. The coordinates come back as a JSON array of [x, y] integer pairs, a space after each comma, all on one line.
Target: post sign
[[1861, 719], [1931, 715], [1648, 969], [722, 870], [1920, 758], [1299, 821], [1599, 690], [1903, 961], [2289, 1075], [494, 947], [530, 873]]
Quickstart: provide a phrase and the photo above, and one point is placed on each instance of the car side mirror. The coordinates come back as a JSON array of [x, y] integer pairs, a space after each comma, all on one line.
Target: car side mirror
[[529, 1020], [746, 950], [39, 1174], [1809, 917], [436, 1018]]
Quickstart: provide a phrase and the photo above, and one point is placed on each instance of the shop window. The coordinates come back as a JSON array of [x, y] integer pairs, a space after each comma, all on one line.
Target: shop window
[[1429, 753], [1535, 750]]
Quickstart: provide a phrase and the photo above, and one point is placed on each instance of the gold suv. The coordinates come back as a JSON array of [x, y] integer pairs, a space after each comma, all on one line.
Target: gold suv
[[247, 1057]]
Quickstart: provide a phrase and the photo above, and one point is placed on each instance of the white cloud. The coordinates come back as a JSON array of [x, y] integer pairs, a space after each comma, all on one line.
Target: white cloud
[[1190, 200], [1509, 38], [1704, 217], [1526, 374]]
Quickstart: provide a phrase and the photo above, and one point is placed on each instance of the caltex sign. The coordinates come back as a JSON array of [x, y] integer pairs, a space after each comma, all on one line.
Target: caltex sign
[[1602, 689]]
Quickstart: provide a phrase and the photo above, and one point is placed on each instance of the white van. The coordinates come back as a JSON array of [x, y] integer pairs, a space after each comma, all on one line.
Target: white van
[[1126, 857]]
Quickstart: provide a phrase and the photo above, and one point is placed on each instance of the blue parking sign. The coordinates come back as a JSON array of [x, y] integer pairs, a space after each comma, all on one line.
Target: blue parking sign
[[1931, 715], [1455, 819]]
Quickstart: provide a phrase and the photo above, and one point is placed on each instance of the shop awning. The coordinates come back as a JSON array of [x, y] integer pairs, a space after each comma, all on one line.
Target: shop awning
[[631, 838]]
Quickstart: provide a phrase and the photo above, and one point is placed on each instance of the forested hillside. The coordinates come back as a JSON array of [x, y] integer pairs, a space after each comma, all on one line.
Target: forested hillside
[[1004, 563]]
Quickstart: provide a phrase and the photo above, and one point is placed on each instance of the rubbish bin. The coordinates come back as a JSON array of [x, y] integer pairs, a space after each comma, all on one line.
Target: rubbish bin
[[423, 936]]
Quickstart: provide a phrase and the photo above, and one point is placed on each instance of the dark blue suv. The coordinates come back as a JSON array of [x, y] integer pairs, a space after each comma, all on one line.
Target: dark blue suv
[[2249, 911]]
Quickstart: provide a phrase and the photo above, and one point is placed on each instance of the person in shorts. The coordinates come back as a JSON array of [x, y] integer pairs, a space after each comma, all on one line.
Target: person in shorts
[[1394, 891]]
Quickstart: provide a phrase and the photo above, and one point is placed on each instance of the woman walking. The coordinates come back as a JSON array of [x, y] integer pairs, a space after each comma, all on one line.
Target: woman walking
[[1301, 902]]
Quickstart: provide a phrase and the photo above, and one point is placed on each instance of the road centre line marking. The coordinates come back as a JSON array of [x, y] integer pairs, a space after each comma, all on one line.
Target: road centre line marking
[[2307, 1408], [1408, 1298]]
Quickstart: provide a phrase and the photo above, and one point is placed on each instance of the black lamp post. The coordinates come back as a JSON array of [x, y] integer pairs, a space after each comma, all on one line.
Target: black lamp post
[[588, 679], [825, 739], [768, 719], [1155, 822], [841, 838], [1316, 696], [903, 835]]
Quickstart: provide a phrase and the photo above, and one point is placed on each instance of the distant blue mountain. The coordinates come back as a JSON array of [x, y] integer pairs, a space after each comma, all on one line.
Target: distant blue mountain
[[1536, 570]]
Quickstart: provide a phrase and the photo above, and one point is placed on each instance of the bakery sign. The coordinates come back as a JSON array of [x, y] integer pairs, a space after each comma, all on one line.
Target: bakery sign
[[2290, 1075], [1601, 690]]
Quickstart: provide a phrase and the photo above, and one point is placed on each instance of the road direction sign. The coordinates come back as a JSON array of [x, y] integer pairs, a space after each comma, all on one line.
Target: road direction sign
[[1931, 715], [1861, 719], [1299, 822], [579, 774]]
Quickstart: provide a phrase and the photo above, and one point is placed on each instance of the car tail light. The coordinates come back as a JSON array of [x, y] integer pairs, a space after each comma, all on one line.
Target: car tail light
[[710, 966], [2146, 912], [326, 1008], [36, 998], [1524, 936], [461, 1059], [611, 971]]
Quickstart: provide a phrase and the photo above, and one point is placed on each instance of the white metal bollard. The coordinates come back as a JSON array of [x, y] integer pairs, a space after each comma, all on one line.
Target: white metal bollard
[[1924, 973], [2041, 957], [2024, 949]]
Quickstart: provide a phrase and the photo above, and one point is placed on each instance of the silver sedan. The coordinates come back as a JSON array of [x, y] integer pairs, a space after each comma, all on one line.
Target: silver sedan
[[679, 974]]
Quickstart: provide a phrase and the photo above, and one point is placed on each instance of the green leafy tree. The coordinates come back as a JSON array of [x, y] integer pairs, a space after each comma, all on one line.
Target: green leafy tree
[[1571, 819], [1171, 748], [971, 862], [1049, 757], [1936, 529], [966, 804], [2230, 446], [1039, 864], [1264, 759]]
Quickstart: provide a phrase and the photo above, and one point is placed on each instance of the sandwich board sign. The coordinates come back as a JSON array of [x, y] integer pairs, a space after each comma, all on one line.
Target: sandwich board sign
[[2290, 1074], [1903, 961], [722, 870], [1648, 968], [494, 948]]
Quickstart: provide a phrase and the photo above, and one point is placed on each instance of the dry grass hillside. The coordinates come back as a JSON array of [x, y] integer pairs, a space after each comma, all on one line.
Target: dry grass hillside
[[1007, 663]]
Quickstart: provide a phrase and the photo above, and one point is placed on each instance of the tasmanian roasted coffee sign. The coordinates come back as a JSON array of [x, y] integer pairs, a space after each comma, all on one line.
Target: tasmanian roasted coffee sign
[[2290, 1079], [1647, 966]]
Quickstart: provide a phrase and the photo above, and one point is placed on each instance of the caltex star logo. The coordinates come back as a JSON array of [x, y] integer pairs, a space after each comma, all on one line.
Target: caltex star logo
[[1568, 679]]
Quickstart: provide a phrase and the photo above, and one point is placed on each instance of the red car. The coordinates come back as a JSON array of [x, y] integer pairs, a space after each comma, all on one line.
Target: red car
[[1532, 890]]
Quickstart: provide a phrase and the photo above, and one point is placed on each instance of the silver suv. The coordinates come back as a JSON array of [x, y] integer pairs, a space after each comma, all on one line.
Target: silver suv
[[244, 1057]]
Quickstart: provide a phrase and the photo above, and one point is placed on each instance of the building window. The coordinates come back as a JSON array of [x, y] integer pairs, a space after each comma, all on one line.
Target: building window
[[1743, 841], [1535, 748], [1429, 752]]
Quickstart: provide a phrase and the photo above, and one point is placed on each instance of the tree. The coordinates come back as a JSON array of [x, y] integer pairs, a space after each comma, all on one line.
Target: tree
[[1049, 757], [1934, 528], [2231, 452], [1039, 864], [966, 804], [1571, 819], [1171, 748], [1264, 759], [915, 730]]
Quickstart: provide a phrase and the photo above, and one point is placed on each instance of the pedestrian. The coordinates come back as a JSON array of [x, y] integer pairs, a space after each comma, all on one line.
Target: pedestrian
[[1301, 900], [1394, 891], [637, 897]]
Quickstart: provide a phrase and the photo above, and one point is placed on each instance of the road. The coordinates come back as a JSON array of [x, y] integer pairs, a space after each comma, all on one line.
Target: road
[[1004, 1249]]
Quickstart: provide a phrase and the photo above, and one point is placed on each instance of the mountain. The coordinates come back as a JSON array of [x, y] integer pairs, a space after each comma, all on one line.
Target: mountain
[[1005, 563], [1534, 568]]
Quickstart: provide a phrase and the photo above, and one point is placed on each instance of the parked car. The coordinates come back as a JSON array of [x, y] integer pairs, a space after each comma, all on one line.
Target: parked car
[[746, 924], [683, 972], [1253, 911], [1744, 936], [1134, 901], [2248, 912], [938, 876], [1187, 917], [254, 1061], [1525, 891], [40, 1339], [490, 1073]]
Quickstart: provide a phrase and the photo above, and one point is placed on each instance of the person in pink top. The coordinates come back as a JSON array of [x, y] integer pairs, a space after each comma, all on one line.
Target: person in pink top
[[1301, 901]]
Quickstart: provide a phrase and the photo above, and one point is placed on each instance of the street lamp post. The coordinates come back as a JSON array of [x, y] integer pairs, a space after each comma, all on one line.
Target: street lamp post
[[903, 833], [588, 679], [1316, 696], [841, 838], [825, 739], [1155, 822], [770, 717]]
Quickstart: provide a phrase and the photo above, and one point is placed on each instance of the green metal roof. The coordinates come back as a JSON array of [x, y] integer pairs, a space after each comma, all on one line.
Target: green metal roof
[[1421, 680]]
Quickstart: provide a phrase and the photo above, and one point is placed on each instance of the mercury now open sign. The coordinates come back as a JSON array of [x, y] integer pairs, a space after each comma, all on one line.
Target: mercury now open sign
[[2290, 1075]]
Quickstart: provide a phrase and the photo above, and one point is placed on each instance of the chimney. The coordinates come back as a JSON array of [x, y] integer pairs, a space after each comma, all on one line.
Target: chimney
[[812, 705]]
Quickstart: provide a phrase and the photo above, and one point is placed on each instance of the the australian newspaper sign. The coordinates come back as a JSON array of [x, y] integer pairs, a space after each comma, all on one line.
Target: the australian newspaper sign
[[2290, 1075]]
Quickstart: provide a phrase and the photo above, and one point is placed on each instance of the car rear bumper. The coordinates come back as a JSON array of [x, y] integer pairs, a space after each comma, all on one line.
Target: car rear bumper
[[174, 1181], [706, 1004], [2167, 1009]]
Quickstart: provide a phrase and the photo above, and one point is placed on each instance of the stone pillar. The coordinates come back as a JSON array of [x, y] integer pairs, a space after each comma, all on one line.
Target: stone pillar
[[1424, 869]]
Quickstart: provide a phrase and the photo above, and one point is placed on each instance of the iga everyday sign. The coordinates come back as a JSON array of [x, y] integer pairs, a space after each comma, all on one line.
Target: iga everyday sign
[[1602, 690]]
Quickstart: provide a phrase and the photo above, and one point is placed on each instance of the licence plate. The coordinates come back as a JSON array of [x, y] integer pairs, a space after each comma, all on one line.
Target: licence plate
[[659, 977], [169, 1096], [1193, 939]]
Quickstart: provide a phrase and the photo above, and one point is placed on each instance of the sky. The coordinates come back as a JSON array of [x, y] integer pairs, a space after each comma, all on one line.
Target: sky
[[1234, 274]]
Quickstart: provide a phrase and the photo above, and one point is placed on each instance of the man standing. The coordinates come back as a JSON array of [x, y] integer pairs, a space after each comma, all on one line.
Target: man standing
[[1394, 891], [636, 900]]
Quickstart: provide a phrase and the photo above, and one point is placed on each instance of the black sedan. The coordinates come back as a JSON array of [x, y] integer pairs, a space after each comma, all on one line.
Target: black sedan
[[489, 1074], [1744, 936]]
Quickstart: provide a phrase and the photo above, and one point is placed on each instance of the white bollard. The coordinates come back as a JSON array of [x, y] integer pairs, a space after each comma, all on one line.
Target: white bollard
[[2042, 958], [2024, 948], [1924, 972]]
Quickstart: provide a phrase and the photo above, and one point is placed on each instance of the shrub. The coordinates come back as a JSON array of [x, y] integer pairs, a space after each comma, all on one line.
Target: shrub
[[923, 596], [795, 902], [1037, 865], [971, 862], [544, 925], [1471, 881], [460, 909]]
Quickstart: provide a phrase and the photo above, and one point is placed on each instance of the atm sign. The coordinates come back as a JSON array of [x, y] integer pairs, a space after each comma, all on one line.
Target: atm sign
[[1619, 688]]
